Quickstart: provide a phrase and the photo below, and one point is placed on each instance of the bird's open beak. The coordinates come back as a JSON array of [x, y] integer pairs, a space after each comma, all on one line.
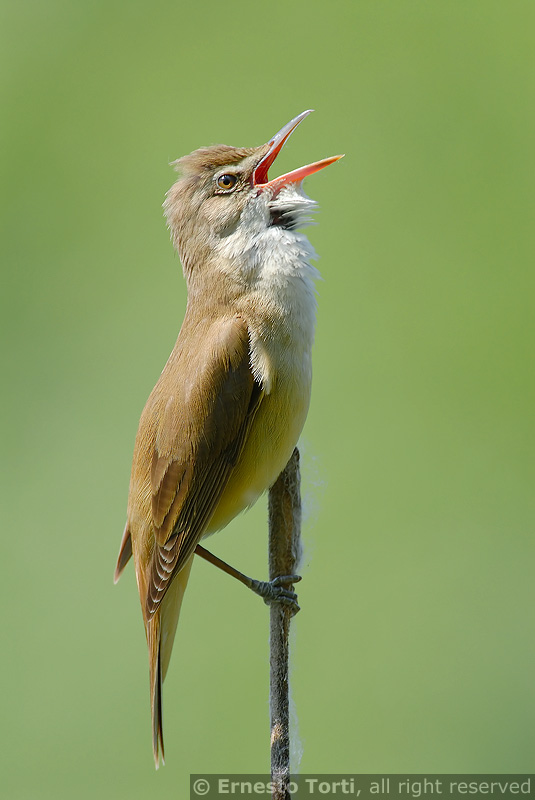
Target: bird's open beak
[[260, 175]]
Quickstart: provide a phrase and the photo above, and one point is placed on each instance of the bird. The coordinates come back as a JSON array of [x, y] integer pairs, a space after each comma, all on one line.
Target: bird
[[227, 410]]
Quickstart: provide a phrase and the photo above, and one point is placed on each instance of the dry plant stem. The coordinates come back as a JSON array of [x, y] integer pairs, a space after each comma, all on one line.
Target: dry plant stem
[[284, 554]]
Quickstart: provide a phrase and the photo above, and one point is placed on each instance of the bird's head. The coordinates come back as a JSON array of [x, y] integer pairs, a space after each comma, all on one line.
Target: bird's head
[[224, 193]]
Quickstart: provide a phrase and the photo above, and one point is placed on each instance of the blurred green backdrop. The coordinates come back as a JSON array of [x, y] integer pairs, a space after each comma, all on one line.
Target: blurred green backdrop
[[414, 651]]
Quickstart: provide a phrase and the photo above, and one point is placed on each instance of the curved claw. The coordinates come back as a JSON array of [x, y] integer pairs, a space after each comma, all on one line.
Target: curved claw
[[282, 579], [274, 591]]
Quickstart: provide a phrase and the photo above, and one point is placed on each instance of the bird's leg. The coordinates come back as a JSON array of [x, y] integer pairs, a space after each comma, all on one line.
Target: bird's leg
[[271, 591]]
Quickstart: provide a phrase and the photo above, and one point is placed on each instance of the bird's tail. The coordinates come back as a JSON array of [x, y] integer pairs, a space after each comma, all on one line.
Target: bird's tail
[[155, 673], [161, 630]]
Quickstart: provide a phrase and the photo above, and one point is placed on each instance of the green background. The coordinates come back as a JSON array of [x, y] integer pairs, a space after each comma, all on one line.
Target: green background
[[414, 651]]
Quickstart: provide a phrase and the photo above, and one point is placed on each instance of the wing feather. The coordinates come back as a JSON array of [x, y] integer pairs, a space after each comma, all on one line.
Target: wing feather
[[207, 434]]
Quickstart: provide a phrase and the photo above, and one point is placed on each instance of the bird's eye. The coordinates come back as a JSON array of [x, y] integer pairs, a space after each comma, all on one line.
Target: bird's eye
[[227, 182]]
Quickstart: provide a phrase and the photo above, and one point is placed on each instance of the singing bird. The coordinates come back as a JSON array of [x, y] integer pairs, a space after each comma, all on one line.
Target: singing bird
[[224, 417]]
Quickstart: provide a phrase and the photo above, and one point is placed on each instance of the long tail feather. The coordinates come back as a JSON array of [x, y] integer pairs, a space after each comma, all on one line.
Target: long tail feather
[[170, 612], [160, 634], [155, 669]]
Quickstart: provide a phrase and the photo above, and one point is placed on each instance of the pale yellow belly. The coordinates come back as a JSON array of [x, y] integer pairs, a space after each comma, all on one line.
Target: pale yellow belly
[[270, 443]]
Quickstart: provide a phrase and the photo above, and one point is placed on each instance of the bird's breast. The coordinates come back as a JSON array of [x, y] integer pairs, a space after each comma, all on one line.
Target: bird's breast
[[280, 315]]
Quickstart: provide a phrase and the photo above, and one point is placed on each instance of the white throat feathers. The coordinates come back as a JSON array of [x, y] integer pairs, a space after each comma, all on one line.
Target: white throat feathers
[[268, 255]]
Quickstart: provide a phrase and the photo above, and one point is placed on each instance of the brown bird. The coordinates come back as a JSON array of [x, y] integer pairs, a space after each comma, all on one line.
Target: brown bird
[[223, 419]]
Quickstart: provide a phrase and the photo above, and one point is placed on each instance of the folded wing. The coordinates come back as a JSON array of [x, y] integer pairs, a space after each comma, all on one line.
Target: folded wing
[[198, 444]]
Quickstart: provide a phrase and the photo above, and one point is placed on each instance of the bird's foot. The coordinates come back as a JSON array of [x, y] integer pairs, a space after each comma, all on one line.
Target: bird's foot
[[275, 592], [271, 591]]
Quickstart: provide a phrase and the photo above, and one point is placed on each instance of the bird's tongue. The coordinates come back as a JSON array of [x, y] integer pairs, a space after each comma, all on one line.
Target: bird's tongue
[[260, 175]]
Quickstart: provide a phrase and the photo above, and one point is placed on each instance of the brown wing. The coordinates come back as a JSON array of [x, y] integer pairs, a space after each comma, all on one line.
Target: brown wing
[[200, 441]]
